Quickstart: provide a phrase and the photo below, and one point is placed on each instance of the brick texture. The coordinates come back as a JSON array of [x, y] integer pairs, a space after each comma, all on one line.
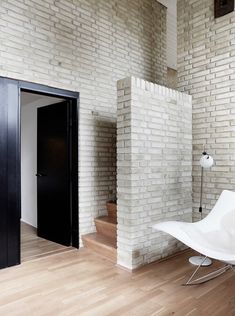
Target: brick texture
[[206, 70], [86, 46], [154, 147]]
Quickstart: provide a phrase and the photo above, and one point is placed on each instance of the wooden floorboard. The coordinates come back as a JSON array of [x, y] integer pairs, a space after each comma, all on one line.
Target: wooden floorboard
[[83, 284], [33, 247]]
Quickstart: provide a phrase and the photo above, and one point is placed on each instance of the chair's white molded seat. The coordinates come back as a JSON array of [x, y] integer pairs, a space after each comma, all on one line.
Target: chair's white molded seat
[[214, 236]]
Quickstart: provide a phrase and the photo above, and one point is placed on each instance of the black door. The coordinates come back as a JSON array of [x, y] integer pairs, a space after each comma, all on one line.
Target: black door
[[9, 174], [53, 173]]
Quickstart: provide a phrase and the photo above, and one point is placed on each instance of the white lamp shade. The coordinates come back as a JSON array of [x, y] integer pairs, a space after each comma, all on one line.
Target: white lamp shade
[[206, 161]]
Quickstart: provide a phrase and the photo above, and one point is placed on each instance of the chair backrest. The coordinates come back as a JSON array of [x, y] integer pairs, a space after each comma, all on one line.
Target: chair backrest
[[224, 207]]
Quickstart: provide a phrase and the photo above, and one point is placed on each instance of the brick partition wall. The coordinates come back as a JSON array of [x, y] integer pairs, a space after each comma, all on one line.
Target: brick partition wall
[[154, 147], [86, 46], [206, 70]]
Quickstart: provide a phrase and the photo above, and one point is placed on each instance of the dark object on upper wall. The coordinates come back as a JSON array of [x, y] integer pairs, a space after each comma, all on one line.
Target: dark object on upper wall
[[223, 7]]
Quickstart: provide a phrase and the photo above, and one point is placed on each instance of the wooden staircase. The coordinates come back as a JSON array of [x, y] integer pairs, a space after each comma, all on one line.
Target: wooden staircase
[[104, 241]]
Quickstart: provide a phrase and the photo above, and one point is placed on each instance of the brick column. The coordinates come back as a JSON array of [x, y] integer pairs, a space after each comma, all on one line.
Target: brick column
[[154, 162]]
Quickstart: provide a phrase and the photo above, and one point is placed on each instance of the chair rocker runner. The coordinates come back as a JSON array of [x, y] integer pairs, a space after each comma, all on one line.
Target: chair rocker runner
[[207, 277], [212, 237]]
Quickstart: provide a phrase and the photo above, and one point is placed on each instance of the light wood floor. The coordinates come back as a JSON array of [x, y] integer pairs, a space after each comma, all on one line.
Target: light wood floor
[[33, 247], [81, 283]]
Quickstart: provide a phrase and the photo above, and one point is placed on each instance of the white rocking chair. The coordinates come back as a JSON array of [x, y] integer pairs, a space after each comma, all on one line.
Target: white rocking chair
[[213, 237]]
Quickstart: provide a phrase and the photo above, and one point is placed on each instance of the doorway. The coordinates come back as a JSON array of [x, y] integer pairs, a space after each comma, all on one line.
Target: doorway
[[39, 128]]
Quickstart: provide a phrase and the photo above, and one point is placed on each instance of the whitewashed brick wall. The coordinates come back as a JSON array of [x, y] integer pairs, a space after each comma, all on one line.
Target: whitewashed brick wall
[[206, 70], [154, 147], [86, 46]]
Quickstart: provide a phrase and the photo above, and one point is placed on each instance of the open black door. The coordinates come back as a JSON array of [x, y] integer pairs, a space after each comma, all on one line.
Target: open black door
[[53, 173]]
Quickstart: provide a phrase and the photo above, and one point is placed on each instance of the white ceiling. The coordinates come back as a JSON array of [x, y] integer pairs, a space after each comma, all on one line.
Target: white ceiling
[[37, 100], [171, 32]]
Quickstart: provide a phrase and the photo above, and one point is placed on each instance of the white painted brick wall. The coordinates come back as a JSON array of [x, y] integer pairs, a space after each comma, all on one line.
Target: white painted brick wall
[[86, 46], [154, 147], [206, 70]]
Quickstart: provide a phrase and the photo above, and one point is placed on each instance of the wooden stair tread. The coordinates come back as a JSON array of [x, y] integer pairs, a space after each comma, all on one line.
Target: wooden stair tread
[[104, 241], [104, 246], [107, 227], [106, 219], [101, 239]]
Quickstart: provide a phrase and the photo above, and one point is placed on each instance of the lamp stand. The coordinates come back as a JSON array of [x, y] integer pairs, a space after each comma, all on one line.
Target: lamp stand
[[200, 207], [200, 260]]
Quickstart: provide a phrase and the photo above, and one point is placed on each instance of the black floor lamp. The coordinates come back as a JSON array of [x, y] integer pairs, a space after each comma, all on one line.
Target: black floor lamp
[[206, 161]]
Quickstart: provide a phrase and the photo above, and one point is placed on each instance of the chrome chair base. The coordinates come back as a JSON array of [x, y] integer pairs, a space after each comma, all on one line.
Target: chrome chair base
[[207, 277]]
